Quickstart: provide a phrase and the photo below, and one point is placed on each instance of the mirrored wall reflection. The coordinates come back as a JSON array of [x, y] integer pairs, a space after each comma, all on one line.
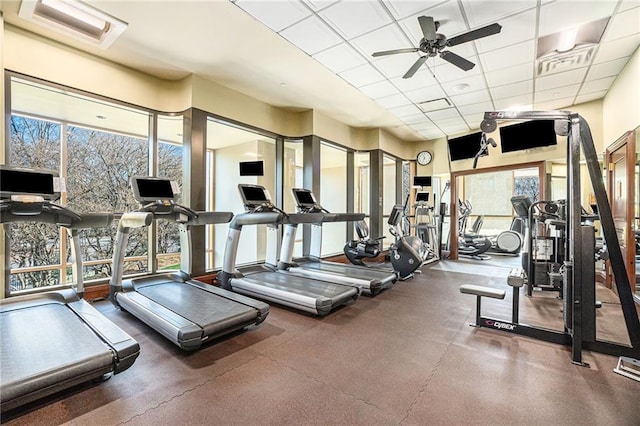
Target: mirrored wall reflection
[[388, 194], [636, 219], [227, 147]]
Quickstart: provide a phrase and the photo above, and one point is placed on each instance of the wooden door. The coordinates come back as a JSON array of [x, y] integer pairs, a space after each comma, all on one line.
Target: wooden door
[[620, 160]]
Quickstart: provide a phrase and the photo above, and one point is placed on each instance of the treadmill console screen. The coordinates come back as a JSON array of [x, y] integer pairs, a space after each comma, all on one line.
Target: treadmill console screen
[[304, 198], [148, 189], [254, 195], [422, 197], [25, 182]]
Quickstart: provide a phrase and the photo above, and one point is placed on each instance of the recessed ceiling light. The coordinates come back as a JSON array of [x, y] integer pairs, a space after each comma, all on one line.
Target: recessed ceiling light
[[460, 87], [74, 18]]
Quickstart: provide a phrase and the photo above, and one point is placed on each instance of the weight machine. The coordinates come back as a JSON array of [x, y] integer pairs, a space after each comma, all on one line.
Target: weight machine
[[578, 276]]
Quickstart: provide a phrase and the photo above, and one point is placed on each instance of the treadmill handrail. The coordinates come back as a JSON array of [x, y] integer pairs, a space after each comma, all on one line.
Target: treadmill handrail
[[210, 218], [127, 222], [258, 218]]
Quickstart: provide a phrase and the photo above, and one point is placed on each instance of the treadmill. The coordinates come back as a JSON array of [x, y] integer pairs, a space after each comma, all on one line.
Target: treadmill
[[185, 311], [369, 281], [54, 340], [265, 281]]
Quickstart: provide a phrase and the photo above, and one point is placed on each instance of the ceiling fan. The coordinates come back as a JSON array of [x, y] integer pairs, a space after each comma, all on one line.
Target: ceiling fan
[[433, 42]]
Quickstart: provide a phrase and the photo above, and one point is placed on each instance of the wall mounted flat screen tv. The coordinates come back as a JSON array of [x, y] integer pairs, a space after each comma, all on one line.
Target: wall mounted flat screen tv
[[464, 147], [251, 168], [528, 135], [422, 181]]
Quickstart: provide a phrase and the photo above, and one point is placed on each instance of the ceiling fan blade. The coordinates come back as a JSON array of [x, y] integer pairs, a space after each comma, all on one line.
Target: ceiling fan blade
[[457, 60], [475, 34], [415, 67], [428, 27], [393, 52]]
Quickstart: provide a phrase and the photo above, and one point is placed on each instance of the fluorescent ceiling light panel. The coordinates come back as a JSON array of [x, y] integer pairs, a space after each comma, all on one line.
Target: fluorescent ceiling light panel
[[75, 19], [434, 105]]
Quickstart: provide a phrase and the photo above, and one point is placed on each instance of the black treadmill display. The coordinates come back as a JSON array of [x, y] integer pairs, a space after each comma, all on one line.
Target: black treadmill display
[[422, 196], [155, 189], [22, 182], [304, 198], [254, 195]]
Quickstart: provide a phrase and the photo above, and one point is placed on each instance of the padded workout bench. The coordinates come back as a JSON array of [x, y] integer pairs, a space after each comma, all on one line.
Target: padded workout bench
[[515, 280]]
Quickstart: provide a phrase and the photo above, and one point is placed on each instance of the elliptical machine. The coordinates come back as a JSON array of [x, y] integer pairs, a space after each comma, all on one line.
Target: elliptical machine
[[470, 244]]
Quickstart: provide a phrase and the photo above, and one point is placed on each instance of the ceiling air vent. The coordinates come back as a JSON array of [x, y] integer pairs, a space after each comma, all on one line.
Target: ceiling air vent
[[557, 62], [434, 104]]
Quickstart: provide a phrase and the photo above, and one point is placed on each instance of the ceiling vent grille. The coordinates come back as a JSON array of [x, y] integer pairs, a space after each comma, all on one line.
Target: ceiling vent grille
[[558, 62]]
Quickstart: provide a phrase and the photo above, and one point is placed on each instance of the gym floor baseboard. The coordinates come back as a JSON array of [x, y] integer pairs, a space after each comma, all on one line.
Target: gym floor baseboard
[[404, 357]]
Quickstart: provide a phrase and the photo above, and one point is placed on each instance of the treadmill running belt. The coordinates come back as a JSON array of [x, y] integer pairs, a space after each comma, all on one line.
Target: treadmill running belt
[[56, 346], [299, 285], [209, 311]]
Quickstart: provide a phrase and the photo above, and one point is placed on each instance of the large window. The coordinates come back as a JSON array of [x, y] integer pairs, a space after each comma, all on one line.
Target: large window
[[227, 146], [95, 146], [333, 195], [388, 193]]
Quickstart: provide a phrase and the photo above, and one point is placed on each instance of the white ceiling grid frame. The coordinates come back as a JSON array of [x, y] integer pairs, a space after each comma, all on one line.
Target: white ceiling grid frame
[[623, 24], [510, 56], [443, 114], [393, 101], [278, 18], [416, 119], [564, 14], [515, 29], [379, 90], [340, 58], [354, 18], [510, 75], [521, 102], [514, 89], [473, 83], [486, 12], [311, 35], [560, 79], [445, 72], [363, 75], [393, 66], [556, 93], [403, 8], [597, 85], [616, 49], [606, 69], [590, 96], [480, 107], [386, 38], [318, 5]]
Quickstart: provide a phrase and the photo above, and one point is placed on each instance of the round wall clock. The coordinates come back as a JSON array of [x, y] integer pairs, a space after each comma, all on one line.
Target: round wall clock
[[424, 158]]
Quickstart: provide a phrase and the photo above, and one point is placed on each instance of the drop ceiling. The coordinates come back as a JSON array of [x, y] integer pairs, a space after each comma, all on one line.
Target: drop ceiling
[[316, 54]]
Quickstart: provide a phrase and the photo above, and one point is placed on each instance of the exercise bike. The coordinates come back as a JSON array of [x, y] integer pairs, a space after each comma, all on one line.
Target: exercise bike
[[406, 254]]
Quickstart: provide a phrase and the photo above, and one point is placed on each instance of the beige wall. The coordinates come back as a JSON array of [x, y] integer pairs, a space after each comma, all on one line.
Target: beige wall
[[621, 110]]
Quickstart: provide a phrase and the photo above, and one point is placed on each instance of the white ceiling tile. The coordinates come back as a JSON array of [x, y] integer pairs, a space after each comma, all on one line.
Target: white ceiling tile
[[448, 13], [362, 75], [556, 93], [470, 98], [597, 85], [353, 18], [340, 58], [474, 120], [443, 114], [393, 101], [623, 25], [514, 102], [455, 128], [403, 8], [278, 18], [424, 127], [510, 75], [513, 89], [474, 84], [379, 90], [560, 79], [432, 134], [426, 94], [606, 69], [395, 65], [628, 4], [562, 103], [515, 29], [386, 38], [405, 111], [509, 56], [591, 96], [563, 14], [317, 4], [420, 80], [311, 35], [416, 119], [616, 49], [480, 107], [487, 12], [446, 72]]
